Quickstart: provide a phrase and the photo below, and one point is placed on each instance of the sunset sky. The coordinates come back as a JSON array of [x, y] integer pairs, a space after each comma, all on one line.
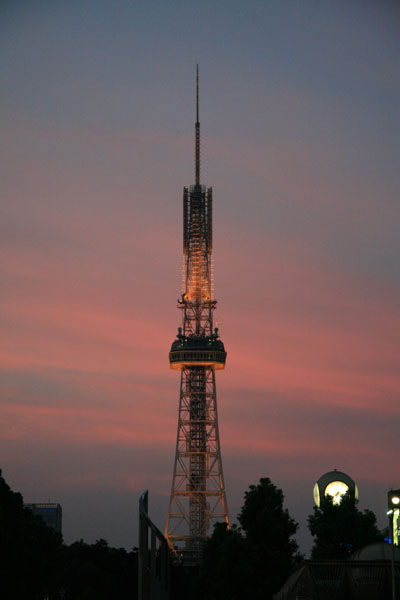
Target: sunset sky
[[299, 111]]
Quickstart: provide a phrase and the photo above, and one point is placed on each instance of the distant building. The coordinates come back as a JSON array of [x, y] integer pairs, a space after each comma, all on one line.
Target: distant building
[[50, 513]]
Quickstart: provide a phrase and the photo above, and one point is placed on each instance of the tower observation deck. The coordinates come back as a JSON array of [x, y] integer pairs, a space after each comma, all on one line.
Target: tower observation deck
[[198, 496]]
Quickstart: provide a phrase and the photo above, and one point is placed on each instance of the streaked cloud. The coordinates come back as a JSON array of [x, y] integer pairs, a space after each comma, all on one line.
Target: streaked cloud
[[300, 142]]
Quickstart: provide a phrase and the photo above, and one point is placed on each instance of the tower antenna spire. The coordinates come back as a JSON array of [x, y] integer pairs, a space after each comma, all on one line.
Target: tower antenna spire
[[197, 141]]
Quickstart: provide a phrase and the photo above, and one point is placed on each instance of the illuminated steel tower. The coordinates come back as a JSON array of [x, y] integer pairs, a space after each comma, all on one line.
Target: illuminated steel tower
[[198, 491]]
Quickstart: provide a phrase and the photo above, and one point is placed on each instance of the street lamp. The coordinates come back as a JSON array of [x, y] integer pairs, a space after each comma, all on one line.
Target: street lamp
[[393, 514]]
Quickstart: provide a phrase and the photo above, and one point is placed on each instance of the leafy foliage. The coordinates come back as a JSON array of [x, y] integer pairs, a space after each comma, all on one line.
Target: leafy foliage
[[30, 551], [98, 571], [224, 569], [268, 527], [340, 529], [254, 561], [36, 564]]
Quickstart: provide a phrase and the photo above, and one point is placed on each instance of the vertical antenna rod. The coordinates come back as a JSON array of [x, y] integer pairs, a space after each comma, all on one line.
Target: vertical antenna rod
[[197, 179]]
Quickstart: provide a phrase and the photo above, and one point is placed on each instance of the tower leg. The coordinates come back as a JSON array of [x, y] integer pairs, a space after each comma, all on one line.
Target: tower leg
[[198, 496]]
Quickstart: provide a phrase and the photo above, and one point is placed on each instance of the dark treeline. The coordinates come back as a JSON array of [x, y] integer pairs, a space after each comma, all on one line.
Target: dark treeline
[[340, 529], [36, 564], [255, 559], [251, 560]]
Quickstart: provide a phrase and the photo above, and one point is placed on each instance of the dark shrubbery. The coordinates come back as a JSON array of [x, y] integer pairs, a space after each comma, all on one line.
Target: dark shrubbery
[[31, 553], [340, 529], [252, 561], [35, 562]]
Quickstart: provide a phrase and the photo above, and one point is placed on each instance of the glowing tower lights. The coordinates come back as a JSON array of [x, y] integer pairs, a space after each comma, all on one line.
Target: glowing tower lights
[[198, 496]]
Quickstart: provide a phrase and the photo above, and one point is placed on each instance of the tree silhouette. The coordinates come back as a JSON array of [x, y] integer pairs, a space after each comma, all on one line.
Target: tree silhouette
[[269, 529], [224, 568], [254, 561], [35, 564], [30, 552], [98, 571], [340, 529]]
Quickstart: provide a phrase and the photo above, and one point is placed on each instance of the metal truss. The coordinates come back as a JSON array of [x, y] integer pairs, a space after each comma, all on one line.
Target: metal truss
[[198, 496]]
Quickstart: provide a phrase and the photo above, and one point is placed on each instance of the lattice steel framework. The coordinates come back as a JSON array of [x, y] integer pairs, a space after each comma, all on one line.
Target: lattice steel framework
[[198, 492]]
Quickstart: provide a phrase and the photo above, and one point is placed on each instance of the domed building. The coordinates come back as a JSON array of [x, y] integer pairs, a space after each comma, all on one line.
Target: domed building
[[335, 484]]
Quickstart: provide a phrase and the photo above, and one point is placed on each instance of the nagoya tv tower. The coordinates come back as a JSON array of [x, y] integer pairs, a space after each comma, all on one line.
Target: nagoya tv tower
[[198, 491]]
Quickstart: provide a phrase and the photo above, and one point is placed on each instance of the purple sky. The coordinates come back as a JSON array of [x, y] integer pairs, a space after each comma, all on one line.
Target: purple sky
[[299, 110]]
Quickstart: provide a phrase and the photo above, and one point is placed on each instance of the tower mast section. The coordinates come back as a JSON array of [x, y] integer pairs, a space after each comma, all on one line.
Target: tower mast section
[[197, 126]]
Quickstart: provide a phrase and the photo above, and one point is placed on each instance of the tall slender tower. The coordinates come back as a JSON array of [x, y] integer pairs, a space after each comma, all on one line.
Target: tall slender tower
[[198, 491]]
